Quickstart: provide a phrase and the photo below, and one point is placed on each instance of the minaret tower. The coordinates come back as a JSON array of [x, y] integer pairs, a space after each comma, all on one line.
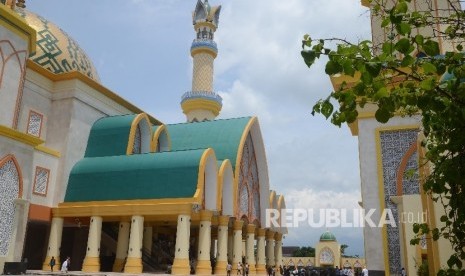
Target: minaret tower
[[202, 103]]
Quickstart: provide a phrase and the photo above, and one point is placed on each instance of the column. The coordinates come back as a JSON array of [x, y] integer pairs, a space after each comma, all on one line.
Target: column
[[261, 259], [122, 246], [134, 260], [270, 248], [278, 249], [54, 243], [222, 248], [249, 254], [230, 244], [237, 243], [203, 257], [92, 260], [148, 239], [181, 254]]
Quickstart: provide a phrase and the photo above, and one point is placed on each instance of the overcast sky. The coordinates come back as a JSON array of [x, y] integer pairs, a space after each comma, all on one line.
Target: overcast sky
[[141, 51]]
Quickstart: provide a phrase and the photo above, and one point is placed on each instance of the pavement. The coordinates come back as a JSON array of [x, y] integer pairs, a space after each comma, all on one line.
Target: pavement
[[80, 273]]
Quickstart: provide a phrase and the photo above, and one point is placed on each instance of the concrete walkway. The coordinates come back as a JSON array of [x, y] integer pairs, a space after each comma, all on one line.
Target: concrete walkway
[[80, 273]]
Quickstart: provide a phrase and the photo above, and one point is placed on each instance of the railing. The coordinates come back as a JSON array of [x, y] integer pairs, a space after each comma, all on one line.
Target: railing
[[202, 95]]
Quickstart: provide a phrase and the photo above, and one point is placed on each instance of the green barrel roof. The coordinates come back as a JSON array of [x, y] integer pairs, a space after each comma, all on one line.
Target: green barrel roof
[[138, 176], [327, 236], [223, 136], [109, 136]]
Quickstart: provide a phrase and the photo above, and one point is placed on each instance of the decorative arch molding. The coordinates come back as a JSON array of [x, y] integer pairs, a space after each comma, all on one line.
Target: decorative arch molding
[[225, 188], [140, 135], [403, 167], [252, 130], [207, 188], [11, 188], [161, 140], [326, 256], [8, 51]]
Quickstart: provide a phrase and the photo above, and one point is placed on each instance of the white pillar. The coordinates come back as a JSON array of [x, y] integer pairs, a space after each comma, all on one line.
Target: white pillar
[[134, 260], [54, 243], [250, 244], [181, 264], [270, 248], [278, 249], [261, 258], [222, 257], [92, 259], [237, 243], [122, 246], [203, 257]]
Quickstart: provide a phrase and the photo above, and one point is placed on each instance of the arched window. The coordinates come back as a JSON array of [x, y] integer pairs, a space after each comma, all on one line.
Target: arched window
[[248, 178], [9, 191], [137, 146]]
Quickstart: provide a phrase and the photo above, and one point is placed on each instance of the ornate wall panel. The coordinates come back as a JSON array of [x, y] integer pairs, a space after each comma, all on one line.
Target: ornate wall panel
[[249, 184], [9, 191], [41, 181], [34, 124], [394, 147]]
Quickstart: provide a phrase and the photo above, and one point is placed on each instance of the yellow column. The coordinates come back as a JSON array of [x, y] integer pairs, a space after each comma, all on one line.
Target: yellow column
[[222, 257], [270, 248], [134, 260], [278, 249], [148, 239], [181, 254], [92, 260], [250, 243], [122, 246], [261, 259], [203, 264], [237, 243], [54, 243]]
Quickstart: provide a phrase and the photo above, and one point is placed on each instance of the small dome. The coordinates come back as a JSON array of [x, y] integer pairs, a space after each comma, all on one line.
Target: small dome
[[327, 236], [56, 51]]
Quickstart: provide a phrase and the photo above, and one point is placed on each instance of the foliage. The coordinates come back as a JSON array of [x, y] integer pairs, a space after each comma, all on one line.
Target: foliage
[[306, 251], [343, 249], [422, 269], [402, 75]]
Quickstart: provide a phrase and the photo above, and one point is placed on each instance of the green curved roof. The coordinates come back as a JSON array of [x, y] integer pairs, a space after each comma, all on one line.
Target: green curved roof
[[109, 136], [223, 136], [327, 236], [138, 176]]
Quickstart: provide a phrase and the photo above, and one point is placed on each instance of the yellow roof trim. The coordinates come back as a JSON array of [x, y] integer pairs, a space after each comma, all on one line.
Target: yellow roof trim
[[47, 150], [90, 82]]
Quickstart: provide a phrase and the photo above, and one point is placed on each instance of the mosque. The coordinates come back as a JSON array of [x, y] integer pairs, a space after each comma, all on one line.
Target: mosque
[[86, 174]]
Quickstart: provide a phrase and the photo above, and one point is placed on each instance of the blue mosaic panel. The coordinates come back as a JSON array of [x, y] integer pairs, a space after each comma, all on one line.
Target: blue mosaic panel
[[394, 146]]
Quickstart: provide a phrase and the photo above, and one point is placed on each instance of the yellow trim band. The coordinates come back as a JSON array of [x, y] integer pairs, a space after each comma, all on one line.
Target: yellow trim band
[[20, 137], [47, 150], [202, 104]]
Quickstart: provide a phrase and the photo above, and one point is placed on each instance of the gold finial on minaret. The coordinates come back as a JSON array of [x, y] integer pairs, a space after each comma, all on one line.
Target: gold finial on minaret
[[202, 103]]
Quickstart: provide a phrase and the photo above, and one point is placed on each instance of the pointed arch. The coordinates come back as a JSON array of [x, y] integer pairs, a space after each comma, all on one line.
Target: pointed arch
[[140, 135], [206, 191], [161, 140], [11, 188], [225, 190]]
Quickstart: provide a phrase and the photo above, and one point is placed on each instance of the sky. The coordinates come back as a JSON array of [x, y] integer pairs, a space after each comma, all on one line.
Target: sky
[[141, 51]]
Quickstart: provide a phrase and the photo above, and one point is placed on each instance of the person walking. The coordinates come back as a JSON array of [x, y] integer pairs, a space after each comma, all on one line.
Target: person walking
[[228, 269], [364, 271], [52, 263], [65, 265]]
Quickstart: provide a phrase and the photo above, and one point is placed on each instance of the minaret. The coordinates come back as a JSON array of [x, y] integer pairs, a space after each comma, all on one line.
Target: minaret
[[202, 103]]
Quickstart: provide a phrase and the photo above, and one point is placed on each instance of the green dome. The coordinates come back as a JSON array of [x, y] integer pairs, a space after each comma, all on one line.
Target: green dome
[[327, 236]]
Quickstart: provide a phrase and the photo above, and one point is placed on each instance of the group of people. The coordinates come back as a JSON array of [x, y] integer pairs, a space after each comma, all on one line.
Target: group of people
[[242, 269], [64, 266]]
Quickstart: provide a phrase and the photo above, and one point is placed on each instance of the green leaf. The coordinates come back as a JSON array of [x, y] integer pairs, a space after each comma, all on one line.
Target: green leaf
[[429, 68], [431, 48], [419, 39], [382, 115], [401, 7], [403, 28], [385, 22], [388, 48], [427, 84], [381, 93], [403, 45], [327, 108], [309, 57], [332, 68], [407, 61], [373, 68]]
